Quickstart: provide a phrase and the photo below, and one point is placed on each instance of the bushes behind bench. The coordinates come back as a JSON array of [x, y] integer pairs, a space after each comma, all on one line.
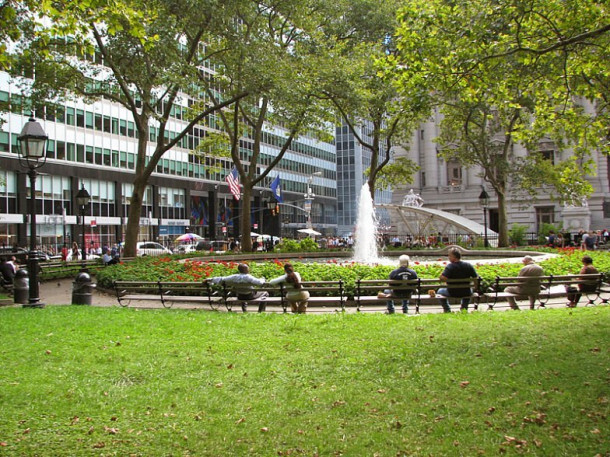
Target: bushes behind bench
[[169, 269]]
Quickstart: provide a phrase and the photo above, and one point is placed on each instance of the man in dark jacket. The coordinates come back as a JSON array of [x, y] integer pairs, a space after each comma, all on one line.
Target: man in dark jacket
[[456, 269], [402, 273]]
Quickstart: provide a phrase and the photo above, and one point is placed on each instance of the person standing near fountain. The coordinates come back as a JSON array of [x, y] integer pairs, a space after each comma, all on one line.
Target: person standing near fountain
[[296, 296], [402, 273], [456, 269]]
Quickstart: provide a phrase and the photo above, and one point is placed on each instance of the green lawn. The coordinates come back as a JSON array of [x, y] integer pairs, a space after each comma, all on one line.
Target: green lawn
[[110, 381]]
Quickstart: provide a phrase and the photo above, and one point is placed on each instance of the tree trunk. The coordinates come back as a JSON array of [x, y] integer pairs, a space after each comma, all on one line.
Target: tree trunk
[[502, 220], [133, 221], [245, 225]]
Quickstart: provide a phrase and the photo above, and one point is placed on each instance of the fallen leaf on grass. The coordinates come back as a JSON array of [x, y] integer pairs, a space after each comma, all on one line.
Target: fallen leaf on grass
[[515, 441], [111, 430], [240, 420], [99, 445], [464, 384], [264, 429]]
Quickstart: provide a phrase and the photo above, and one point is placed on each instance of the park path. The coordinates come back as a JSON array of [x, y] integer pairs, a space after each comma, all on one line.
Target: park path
[[59, 292]]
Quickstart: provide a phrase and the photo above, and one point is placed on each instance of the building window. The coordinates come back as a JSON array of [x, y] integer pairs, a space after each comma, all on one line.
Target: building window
[[548, 154], [454, 173], [544, 215]]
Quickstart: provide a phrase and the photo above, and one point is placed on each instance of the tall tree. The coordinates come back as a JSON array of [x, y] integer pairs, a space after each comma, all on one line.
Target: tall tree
[[147, 67], [493, 95], [280, 53], [376, 114]]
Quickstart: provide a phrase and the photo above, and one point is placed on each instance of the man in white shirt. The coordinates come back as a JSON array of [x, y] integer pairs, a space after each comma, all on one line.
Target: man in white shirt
[[242, 284]]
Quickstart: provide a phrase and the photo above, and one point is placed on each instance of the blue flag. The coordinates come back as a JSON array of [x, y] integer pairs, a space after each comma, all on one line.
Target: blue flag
[[277, 189]]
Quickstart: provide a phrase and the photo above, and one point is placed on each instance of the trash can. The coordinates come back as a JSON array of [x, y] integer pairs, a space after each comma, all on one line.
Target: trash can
[[21, 287], [82, 289]]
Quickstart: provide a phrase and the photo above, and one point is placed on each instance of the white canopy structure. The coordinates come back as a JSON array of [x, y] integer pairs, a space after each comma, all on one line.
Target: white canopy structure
[[418, 221]]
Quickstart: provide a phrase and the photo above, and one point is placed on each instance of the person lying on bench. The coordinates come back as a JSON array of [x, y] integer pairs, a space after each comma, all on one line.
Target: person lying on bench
[[242, 284]]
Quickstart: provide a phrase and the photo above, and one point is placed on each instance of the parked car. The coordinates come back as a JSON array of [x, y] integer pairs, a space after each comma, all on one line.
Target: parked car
[[144, 248], [215, 246], [185, 248], [21, 254]]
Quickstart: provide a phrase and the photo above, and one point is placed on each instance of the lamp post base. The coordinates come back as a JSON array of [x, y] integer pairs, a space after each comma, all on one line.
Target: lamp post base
[[37, 304]]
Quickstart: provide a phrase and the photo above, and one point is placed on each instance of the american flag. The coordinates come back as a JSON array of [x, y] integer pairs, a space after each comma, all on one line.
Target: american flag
[[233, 180]]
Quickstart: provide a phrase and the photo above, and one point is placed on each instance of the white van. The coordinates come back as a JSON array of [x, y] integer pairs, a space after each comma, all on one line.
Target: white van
[[144, 248]]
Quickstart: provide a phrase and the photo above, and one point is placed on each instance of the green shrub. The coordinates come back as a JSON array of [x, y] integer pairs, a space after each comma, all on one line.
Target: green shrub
[[308, 245], [289, 246], [516, 234], [545, 229], [168, 269]]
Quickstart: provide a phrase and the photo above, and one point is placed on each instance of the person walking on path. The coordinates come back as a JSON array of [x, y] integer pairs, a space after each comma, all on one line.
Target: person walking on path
[[456, 269], [529, 287], [296, 296]]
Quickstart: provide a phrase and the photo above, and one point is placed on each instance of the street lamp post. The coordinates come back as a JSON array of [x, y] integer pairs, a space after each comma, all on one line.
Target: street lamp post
[[32, 148], [274, 211], [309, 196], [484, 201], [82, 200]]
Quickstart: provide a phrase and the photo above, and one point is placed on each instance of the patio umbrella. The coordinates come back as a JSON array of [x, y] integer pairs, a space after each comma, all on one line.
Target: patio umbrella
[[188, 237], [309, 231]]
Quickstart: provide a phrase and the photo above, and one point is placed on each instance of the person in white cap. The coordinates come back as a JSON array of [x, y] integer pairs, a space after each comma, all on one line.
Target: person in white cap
[[402, 273], [530, 287]]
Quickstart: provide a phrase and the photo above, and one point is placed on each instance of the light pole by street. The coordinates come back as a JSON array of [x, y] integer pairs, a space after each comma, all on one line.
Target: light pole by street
[[32, 148], [484, 201], [309, 196], [82, 201], [274, 211]]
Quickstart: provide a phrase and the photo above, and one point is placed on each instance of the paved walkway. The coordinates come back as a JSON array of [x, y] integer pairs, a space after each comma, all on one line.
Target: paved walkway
[[59, 292]]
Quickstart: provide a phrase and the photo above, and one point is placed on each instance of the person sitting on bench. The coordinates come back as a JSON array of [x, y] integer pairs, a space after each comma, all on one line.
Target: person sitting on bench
[[574, 293], [7, 274], [456, 269], [242, 284], [529, 287]]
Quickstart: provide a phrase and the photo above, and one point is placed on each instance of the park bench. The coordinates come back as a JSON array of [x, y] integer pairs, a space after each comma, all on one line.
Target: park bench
[[372, 291], [167, 292], [551, 286], [7, 286], [321, 293], [63, 269]]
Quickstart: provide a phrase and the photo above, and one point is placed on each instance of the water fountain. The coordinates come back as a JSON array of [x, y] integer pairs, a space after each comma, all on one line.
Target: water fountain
[[365, 237]]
